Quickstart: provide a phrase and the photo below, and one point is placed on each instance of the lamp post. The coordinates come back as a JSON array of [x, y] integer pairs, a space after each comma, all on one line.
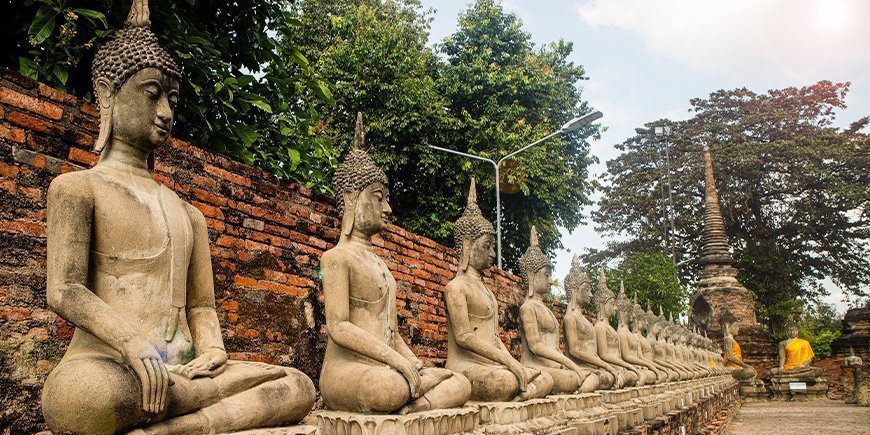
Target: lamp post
[[572, 125]]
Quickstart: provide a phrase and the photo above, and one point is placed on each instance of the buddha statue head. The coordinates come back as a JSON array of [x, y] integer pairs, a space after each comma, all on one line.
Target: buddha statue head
[[136, 86], [791, 328], [577, 285], [638, 317], [729, 323], [535, 267], [474, 236], [361, 190], [623, 305], [605, 300]]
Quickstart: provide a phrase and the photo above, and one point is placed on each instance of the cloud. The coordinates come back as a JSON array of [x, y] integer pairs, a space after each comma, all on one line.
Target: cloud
[[797, 38]]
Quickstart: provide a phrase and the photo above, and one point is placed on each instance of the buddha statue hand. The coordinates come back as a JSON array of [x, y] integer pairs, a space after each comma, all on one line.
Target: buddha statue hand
[[412, 375], [520, 372], [143, 358], [211, 363]]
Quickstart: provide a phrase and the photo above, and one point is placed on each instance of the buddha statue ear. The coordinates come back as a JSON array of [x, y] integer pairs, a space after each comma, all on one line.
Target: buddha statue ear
[[105, 95], [347, 218], [465, 256]]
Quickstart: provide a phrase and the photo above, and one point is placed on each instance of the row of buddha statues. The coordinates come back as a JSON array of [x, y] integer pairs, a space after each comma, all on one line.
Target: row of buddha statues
[[129, 266]]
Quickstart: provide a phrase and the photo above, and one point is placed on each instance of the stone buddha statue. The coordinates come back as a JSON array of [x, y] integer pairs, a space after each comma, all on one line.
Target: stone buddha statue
[[795, 356], [732, 354], [640, 324], [540, 328], [580, 333], [606, 338], [672, 334], [368, 367], [628, 343], [684, 350], [129, 265], [473, 345], [657, 344]]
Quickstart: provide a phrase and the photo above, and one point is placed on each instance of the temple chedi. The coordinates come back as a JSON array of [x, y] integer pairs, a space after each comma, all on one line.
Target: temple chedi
[[718, 288]]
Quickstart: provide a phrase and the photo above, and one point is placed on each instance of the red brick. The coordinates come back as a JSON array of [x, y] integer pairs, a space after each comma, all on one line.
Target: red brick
[[36, 229], [209, 197], [229, 176], [14, 313], [54, 94], [209, 210], [11, 133], [90, 109], [81, 156], [230, 305], [30, 104], [8, 171]]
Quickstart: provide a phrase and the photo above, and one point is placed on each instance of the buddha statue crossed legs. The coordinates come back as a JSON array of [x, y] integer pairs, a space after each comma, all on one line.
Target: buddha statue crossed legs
[[129, 265], [540, 327], [368, 368], [473, 346]]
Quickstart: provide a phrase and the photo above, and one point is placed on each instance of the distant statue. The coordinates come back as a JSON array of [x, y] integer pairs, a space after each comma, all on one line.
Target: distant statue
[[628, 342], [473, 345], [606, 338], [540, 327], [368, 367], [657, 325], [795, 356], [580, 333], [673, 338], [640, 324], [732, 354], [129, 265], [853, 360]]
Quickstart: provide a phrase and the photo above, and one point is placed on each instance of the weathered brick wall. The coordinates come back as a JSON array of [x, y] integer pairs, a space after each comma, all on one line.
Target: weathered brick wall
[[266, 239]]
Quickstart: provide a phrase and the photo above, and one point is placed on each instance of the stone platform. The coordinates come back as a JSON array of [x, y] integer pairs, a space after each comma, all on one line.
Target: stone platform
[[781, 388], [439, 422]]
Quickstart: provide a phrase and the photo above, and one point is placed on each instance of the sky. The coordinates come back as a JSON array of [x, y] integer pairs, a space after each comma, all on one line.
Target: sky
[[646, 59]]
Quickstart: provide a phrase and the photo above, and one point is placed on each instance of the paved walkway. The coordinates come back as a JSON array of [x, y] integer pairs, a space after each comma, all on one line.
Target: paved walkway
[[797, 418]]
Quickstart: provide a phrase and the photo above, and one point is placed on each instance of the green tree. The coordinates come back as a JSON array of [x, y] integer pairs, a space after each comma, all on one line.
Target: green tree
[[650, 276], [246, 92], [820, 324], [793, 192]]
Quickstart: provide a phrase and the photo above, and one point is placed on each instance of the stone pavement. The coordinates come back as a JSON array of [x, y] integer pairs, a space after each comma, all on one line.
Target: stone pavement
[[811, 417]]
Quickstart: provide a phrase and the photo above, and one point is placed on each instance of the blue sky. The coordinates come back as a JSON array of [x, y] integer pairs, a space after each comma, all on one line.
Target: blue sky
[[647, 58]]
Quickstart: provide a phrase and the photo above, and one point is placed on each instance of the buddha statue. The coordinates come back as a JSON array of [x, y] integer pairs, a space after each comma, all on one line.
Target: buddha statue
[[640, 325], [795, 356], [540, 328], [129, 265], [628, 344], [684, 349], [732, 354], [606, 338], [473, 345], [657, 343], [672, 334], [368, 367], [580, 333]]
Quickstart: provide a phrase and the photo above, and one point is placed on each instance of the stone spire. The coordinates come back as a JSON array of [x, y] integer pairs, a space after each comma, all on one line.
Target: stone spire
[[715, 241]]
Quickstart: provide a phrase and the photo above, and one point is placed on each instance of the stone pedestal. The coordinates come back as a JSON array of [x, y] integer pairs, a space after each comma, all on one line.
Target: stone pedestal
[[753, 389], [438, 422], [862, 387], [289, 430], [531, 416], [619, 402], [586, 414], [781, 388]]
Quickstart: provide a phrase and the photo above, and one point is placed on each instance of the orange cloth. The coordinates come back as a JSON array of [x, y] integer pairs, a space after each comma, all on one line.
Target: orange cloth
[[797, 353], [712, 363], [735, 354]]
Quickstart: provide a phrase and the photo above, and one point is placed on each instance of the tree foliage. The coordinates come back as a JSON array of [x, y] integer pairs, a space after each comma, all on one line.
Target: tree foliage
[[246, 92], [487, 90], [650, 276], [792, 187]]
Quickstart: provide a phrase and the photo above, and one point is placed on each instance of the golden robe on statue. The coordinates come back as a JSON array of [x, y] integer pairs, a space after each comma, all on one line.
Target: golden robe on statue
[[797, 353], [736, 354]]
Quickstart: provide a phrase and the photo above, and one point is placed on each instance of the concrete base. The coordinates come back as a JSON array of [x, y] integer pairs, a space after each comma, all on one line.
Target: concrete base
[[438, 422], [816, 388], [531, 416], [290, 430]]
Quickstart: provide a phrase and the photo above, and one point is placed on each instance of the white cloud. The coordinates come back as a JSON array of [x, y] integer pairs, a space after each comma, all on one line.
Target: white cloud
[[795, 38]]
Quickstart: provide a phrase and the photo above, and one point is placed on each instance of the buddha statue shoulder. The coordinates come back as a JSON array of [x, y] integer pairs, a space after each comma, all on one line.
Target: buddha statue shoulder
[[473, 345], [129, 265], [606, 338], [540, 327], [795, 356], [628, 342], [368, 367], [580, 342], [655, 334]]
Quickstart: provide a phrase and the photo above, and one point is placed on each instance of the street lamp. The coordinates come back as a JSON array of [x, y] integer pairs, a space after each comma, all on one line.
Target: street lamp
[[572, 125]]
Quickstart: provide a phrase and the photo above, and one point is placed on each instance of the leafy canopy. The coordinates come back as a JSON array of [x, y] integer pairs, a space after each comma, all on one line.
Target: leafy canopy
[[792, 187]]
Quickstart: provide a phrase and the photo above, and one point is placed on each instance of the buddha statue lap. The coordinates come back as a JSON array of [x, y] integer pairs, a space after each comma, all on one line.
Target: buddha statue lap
[[129, 265], [628, 343], [580, 338], [473, 345], [606, 338], [795, 357], [368, 367], [540, 328]]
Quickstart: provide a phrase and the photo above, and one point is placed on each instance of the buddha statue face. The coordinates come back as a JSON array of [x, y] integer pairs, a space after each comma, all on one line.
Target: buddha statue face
[[792, 331], [371, 208], [539, 282], [142, 108], [584, 294], [733, 329], [655, 328], [481, 252]]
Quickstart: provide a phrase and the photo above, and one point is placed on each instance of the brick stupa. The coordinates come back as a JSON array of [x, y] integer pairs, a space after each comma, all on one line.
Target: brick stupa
[[718, 287]]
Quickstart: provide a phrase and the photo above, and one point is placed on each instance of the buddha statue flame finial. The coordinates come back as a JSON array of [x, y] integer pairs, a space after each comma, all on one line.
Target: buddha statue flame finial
[[471, 224]]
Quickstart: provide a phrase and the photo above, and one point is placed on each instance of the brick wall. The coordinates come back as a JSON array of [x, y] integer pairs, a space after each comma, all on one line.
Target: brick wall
[[266, 239]]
